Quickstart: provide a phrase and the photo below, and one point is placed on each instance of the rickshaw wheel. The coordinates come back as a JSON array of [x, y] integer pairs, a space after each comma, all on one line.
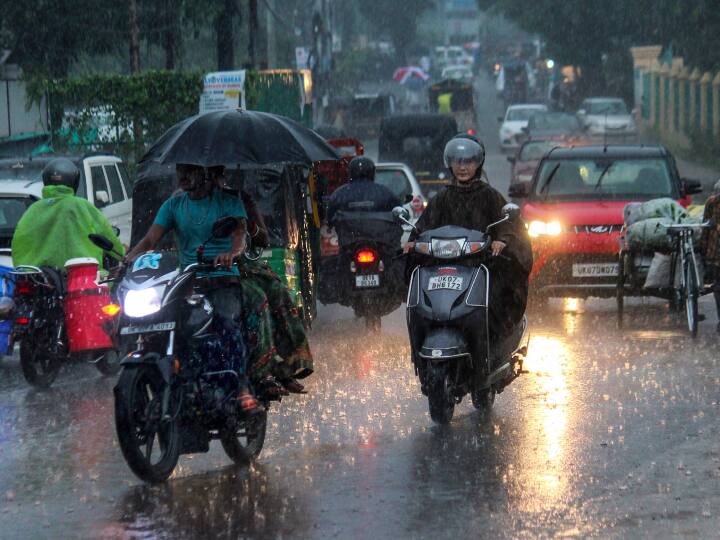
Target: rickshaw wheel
[[620, 291]]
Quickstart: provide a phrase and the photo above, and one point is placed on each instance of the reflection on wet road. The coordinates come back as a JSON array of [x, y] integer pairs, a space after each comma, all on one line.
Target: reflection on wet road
[[587, 442]]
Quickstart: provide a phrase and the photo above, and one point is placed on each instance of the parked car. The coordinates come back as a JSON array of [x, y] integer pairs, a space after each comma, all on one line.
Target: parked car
[[574, 210], [461, 73], [557, 126], [525, 162], [451, 56], [516, 118], [607, 119], [104, 181]]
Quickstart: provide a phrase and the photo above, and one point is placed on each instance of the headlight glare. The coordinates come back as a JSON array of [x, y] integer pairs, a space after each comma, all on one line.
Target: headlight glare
[[141, 303], [543, 228]]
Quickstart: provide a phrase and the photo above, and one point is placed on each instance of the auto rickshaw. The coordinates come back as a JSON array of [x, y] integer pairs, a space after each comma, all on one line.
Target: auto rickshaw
[[281, 192], [457, 99], [418, 141]]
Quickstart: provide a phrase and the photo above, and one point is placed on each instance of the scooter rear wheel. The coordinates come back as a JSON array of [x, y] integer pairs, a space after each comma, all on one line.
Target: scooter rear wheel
[[440, 396], [484, 399]]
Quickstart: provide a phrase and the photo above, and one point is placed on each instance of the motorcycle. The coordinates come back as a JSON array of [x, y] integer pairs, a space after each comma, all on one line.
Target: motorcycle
[[447, 317], [38, 310], [175, 387], [369, 279]]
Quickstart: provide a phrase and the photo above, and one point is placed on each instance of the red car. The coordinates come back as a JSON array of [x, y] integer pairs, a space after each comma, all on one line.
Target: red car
[[574, 211], [526, 161]]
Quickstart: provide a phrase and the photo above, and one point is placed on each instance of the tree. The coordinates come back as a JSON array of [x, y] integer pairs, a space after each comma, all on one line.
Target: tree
[[396, 19]]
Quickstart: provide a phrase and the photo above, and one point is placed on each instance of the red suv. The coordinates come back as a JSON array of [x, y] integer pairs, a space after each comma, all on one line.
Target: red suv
[[574, 211]]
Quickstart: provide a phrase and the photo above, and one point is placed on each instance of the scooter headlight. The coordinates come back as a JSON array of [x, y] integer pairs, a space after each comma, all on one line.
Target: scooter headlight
[[141, 303], [448, 249]]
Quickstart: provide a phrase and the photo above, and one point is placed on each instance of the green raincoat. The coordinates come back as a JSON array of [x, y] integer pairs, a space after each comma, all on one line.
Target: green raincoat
[[55, 229]]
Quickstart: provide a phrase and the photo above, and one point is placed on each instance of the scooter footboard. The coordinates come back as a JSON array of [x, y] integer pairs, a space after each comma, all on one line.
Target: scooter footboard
[[444, 343]]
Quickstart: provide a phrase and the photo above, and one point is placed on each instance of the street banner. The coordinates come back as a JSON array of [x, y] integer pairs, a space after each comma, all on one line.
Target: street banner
[[223, 91]]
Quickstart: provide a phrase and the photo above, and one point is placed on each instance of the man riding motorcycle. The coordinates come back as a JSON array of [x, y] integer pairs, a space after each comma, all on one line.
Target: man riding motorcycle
[[470, 202], [190, 215], [360, 211], [55, 229]]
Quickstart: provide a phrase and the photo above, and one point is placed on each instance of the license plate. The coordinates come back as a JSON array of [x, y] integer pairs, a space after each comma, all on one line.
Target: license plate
[[454, 283], [595, 270], [146, 328], [367, 280]]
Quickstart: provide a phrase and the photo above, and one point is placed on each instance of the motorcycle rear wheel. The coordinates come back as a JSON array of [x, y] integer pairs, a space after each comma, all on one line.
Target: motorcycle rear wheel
[[245, 444], [138, 411], [440, 396], [38, 366]]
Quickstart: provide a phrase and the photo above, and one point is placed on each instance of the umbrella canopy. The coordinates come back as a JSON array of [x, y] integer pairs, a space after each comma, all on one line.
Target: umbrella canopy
[[240, 139], [404, 75]]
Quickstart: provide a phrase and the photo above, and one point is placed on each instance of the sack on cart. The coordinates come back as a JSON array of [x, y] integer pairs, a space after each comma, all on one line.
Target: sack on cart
[[664, 207], [649, 235], [659, 273]]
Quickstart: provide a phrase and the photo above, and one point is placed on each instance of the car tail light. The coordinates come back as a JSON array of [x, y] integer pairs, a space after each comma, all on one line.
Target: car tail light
[[471, 131], [365, 256]]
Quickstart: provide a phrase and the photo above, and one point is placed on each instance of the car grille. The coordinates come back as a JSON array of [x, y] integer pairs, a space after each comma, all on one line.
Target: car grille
[[595, 229]]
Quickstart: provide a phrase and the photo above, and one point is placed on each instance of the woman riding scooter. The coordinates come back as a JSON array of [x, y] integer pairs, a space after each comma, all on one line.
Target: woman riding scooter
[[470, 202]]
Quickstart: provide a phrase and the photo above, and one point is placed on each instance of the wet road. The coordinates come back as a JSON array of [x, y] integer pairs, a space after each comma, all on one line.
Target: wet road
[[611, 433]]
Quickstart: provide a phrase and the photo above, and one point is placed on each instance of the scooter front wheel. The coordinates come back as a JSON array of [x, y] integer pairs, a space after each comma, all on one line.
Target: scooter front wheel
[[440, 395]]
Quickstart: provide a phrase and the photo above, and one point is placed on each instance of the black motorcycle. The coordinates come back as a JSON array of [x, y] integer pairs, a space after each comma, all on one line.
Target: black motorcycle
[[176, 392], [447, 315], [369, 277], [37, 309]]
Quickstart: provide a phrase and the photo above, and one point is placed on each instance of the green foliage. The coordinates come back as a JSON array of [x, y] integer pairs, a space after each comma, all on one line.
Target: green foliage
[[359, 65], [396, 19]]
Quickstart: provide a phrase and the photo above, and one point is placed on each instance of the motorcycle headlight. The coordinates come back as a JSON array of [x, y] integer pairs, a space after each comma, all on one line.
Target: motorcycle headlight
[[141, 303], [448, 249], [543, 228]]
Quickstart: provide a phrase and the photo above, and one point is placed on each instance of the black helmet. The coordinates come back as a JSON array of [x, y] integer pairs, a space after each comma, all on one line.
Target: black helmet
[[464, 147], [61, 172], [361, 167]]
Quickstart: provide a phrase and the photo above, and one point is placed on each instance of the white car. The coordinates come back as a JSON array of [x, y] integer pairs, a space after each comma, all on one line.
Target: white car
[[607, 118], [104, 182], [512, 124], [457, 73], [452, 56]]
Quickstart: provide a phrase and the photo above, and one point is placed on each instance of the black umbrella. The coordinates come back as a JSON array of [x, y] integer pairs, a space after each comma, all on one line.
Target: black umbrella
[[240, 138]]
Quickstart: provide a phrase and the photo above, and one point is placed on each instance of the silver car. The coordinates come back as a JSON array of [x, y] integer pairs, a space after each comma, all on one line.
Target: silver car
[[607, 118]]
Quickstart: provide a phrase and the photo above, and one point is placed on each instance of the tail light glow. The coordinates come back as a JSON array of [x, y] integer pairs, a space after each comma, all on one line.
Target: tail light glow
[[24, 287], [365, 256], [22, 320]]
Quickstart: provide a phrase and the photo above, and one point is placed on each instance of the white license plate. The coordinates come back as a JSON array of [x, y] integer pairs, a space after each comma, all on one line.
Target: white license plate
[[595, 270], [367, 280], [145, 328], [454, 283]]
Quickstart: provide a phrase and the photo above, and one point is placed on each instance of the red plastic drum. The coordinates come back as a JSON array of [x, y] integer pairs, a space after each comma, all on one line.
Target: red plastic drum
[[86, 325]]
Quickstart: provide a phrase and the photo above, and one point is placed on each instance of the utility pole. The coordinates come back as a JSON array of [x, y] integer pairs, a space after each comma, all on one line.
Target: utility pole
[[134, 37], [253, 30], [271, 36]]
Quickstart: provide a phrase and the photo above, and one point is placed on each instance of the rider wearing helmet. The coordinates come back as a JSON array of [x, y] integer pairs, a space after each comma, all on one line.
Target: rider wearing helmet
[[470, 202], [55, 229]]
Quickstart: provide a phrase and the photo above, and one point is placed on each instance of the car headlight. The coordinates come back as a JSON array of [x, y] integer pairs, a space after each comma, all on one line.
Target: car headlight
[[544, 228], [141, 303], [448, 249]]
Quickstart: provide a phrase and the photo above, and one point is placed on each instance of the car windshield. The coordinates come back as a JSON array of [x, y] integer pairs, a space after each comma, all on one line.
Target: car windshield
[[606, 107], [457, 73], [11, 210], [396, 181], [554, 121], [582, 179], [21, 171], [534, 151], [520, 115]]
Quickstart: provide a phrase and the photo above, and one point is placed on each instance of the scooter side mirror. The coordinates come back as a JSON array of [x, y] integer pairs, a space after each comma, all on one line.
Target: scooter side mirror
[[511, 211], [401, 213]]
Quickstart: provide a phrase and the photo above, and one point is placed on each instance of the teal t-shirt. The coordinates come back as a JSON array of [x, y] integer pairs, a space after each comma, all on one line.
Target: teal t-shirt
[[192, 221]]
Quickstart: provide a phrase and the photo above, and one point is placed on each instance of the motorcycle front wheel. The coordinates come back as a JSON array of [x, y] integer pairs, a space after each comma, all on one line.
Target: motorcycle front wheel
[[246, 443], [440, 395], [39, 367], [149, 443]]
